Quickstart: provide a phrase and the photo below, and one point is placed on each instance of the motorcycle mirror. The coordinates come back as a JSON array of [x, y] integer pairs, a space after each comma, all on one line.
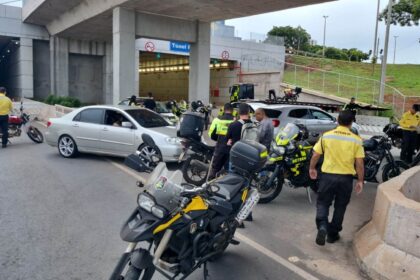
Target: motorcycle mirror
[[139, 184], [148, 140]]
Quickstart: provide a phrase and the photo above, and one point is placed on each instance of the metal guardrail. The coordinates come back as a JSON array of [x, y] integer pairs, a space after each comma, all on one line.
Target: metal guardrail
[[347, 86]]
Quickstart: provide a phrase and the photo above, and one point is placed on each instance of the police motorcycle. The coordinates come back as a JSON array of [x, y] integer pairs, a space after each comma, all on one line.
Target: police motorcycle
[[177, 228], [196, 155], [199, 107], [288, 162], [18, 122], [380, 165]]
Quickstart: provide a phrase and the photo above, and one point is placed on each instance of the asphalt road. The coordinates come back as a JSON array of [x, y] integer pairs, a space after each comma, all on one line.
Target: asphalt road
[[60, 219]]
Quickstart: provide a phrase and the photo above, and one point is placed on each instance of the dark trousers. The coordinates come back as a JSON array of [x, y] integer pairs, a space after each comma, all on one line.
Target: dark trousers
[[409, 141], [220, 159], [4, 127], [337, 188]]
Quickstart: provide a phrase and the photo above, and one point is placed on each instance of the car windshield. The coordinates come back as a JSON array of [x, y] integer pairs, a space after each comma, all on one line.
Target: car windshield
[[146, 118], [161, 108], [165, 187]]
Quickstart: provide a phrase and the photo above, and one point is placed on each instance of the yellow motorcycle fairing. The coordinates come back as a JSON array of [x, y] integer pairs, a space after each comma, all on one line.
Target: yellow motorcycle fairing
[[196, 204]]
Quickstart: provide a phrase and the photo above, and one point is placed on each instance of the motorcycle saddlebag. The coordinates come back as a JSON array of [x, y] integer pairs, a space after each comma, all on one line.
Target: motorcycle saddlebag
[[135, 162], [247, 157], [191, 126]]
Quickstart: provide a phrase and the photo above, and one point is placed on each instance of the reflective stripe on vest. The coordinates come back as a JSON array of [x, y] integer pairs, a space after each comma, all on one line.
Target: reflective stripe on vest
[[222, 127]]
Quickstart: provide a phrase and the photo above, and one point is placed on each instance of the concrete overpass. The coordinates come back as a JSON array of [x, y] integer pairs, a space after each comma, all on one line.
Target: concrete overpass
[[122, 21]]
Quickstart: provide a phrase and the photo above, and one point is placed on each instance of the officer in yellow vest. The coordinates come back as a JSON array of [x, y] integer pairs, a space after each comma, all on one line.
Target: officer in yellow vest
[[6, 107], [342, 151], [409, 123], [217, 132]]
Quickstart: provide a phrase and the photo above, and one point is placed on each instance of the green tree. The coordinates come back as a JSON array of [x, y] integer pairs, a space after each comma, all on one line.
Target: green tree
[[405, 13], [294, 37], [356, 55], [334, 53]]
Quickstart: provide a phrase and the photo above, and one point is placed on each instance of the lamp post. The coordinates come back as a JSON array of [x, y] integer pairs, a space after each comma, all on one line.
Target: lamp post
[[385, 58], [325, 30], [375, 40], [395, 47]]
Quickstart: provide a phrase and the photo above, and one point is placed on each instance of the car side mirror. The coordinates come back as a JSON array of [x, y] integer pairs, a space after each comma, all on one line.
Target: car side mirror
[[127, 124]]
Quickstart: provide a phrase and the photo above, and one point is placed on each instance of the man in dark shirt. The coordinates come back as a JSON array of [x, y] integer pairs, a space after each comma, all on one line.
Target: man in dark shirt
[[150, 103], [234, 132]]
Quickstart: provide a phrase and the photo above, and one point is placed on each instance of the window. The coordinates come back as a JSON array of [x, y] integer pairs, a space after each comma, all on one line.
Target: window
[[319, 115], [114, 118], [147, 118], [272, 114], [299, 114], [90, 116]]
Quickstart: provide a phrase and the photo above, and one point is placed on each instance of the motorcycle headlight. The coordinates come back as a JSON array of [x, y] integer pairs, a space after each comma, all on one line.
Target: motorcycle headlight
[[280, 150], [158, 212], [145, 202], [173, 140]]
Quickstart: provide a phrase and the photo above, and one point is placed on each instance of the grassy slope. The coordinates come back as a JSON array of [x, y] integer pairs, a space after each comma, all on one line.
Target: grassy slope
[[406, 78]]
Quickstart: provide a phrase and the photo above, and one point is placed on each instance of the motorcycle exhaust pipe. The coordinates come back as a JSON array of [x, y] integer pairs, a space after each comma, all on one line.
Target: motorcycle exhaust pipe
[[162, 246]]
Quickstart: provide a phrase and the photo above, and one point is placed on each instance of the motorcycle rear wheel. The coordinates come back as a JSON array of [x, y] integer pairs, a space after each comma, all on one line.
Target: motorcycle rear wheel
[[35, 135], [192, 173], [267, 193], [391, 171]]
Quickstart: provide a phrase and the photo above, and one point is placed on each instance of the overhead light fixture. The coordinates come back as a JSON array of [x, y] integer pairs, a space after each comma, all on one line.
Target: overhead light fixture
[[225, 64], [217, 65]]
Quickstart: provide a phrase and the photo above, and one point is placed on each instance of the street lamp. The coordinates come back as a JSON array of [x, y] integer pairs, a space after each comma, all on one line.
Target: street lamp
[[375, 42], [385, 57], [325, 30], [395, 47]]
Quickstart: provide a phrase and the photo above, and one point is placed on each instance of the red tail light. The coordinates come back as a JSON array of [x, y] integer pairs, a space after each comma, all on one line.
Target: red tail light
[[276, 123], [49, 124]]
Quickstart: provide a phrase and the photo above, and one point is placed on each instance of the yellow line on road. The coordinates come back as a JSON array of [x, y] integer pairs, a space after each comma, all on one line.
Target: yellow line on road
[[263, 250]]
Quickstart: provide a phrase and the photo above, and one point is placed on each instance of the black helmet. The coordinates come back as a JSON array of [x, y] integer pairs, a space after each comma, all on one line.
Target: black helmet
[[194, 105]]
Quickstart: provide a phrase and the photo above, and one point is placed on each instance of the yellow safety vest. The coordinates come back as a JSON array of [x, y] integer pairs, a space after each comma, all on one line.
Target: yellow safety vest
[[221, 127], [6, 105], [410, 121]]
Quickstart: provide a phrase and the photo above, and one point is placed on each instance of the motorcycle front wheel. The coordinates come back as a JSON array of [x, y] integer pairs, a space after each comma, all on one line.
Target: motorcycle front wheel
[[390, 170], [134, 274], [193, 171], [267, 192], [35, 135]]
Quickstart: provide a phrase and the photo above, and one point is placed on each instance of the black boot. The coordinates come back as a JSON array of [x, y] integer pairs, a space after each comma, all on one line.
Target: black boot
[[333, 237], [320, 237]]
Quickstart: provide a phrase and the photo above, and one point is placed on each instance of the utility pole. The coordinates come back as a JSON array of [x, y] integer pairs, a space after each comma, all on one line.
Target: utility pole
[[395, 47], [385, 58], [375, 40], [325, 31]]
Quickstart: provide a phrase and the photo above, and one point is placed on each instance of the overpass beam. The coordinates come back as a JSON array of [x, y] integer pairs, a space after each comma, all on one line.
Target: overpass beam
[[199, 74], [125, 66]]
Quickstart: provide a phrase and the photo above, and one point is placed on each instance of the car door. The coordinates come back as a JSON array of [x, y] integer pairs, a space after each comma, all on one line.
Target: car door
[[298, 116], [326, 122], [87, 127], [116, 139]]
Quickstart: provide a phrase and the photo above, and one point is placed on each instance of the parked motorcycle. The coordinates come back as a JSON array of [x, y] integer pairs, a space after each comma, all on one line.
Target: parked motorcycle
[[289, 160], [177, 228], [19, 122], [199, 107]]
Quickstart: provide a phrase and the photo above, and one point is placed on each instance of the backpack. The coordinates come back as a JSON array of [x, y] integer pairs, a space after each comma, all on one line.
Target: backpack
[[250, 131]]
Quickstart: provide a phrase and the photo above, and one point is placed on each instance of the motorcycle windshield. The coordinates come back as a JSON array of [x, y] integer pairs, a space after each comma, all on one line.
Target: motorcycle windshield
[[289, 132], [165, 187]]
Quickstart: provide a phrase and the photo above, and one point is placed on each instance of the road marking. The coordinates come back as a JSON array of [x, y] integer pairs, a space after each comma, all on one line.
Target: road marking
[[267, 252], [128, 171]]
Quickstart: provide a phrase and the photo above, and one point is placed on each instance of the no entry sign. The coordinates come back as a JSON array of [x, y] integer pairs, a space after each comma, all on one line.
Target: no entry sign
[[225, 55], [149, 46]]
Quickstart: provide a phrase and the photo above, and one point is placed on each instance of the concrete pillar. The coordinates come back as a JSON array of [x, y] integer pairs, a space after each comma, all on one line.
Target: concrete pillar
[[107, 75], [137, 73], [199, 76], [59, 66], [125, 67], [26, 68]]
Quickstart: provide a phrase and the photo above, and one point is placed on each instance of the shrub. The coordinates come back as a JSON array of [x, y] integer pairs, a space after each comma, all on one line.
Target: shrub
[[67, 101]]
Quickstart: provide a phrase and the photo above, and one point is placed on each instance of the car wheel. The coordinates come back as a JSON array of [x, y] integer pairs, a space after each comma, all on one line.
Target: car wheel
[[67, 146], [151, 154]]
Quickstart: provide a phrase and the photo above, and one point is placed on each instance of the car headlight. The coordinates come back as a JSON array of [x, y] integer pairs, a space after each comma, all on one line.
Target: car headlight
[[145, 202], [173, 140]]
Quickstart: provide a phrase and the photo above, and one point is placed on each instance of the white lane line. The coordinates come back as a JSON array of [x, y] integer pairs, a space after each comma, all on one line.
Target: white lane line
[[270, 254], [127, 170]]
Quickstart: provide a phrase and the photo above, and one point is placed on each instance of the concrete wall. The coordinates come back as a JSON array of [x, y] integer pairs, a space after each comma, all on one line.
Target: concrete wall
[[42, 82], [85, 78]]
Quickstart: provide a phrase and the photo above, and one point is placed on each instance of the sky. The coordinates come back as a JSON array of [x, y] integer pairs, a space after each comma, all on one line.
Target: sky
[[350, 23]]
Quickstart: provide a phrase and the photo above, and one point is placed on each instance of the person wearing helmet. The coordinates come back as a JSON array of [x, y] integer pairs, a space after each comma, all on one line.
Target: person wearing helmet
[[133, 101]]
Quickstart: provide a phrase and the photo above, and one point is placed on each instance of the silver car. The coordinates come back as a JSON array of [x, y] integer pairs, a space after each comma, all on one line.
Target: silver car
[[113, 130]]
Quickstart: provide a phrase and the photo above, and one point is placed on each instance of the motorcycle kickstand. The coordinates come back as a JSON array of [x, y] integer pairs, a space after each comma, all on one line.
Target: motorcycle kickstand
[[308, 192], [206, 274]]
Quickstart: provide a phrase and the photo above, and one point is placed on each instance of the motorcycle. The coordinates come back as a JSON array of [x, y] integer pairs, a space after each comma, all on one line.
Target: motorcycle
[[177, 228], [289, 159], [199, 107], [19, 122]]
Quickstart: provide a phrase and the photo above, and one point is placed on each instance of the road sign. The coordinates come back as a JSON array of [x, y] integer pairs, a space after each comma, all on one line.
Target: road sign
[[225, 55], [149, 46], [179, 46]]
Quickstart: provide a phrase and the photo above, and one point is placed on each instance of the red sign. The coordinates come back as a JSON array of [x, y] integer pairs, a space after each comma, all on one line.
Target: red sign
[[149, 46], [225, 55]]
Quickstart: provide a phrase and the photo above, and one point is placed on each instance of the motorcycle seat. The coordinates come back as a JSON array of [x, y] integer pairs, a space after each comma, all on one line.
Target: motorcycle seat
[[229, 185]]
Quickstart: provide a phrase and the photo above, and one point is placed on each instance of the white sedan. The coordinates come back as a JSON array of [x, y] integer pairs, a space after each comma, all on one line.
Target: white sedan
[[113, 130]]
